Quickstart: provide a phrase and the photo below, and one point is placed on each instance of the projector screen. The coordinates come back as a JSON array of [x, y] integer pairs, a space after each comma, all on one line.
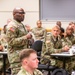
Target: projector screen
[[57, 9]]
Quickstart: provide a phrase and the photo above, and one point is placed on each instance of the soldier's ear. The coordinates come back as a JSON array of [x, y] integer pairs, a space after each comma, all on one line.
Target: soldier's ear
[[14, 13], [24, 61]]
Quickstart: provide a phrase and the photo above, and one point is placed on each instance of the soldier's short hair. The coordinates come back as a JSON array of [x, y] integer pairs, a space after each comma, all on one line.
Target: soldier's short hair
[[70, 23], [25, 53], [69, 27], [39, 21], [58, 23], [56, 26]]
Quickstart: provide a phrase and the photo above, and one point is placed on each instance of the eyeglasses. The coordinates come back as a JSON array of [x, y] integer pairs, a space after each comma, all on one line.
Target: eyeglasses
[[21, 12]]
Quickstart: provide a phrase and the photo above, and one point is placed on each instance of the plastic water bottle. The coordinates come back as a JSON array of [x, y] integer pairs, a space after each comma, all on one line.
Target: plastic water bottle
[[73, 73], [71, 51]]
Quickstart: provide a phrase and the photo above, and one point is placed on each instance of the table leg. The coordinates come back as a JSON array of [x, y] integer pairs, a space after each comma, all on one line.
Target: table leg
[[4, 64], [64, 63]]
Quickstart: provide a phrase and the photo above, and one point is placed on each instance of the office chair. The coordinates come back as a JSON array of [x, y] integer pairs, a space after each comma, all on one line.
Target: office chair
[[60, 71], [37, 45]]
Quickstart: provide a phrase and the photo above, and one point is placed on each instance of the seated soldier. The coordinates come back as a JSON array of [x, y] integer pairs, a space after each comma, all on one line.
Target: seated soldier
[[29, 61], [39, 32], [69, 40], [68, 36], [54, 45], [1, 60], [3, 41]]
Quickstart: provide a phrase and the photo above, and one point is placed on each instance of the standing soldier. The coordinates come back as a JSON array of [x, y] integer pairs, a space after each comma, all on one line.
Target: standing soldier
[[17, 39]]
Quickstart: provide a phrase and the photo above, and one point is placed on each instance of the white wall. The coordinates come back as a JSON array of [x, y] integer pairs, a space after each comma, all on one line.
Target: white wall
[[50, 24], [32, 12], [30, 6]]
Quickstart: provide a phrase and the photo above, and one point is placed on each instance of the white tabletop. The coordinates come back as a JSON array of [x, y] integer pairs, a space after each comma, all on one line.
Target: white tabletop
[[64, 54], [3, 53]]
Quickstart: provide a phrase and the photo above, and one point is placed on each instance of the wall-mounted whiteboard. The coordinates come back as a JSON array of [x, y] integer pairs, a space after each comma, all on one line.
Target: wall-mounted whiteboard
[[57, 9]]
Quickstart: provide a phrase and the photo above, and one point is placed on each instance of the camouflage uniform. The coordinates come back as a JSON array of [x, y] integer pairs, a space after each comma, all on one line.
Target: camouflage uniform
[[16, 42], [70, 64], [68, 40], [4, 40], [55, 46], [4, 45], [51, 46], [1, 62], [24, 72], [39, 33]]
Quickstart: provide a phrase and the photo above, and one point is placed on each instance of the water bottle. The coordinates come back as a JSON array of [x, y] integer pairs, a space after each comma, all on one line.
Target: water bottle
[[73, 73], [71, 51]]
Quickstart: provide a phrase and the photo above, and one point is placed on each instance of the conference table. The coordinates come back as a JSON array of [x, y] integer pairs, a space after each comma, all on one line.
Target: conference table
[[4, 61], [62, 56]]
